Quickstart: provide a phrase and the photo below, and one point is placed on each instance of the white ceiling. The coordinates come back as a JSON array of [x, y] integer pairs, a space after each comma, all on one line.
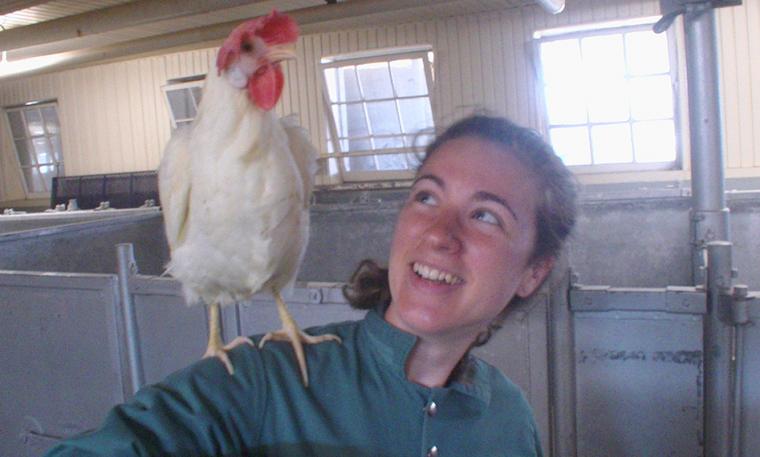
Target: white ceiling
[[87, 31]]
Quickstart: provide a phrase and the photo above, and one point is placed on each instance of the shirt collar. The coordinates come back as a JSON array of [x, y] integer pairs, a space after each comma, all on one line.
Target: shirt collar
[[392, 347]]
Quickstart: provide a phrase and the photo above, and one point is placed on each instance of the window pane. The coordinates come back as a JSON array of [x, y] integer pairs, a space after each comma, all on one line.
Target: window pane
[[50, 117], [24, 149], [565, 105], [647, 53], [383, 117], [416, 114], [360, 163], [43, 150], [17, 124], [392, 162], [651, 97], [34, 122], [34, 182], [197, 93], [603, 56], [654, 141], [608, 101], [561, 62], [612, 143], [363, 144], [409, 77], [375, 80], [342, 85], [571, 145], [388, 142], [350, 120], [57, 148], [180, 103], [48, 172]]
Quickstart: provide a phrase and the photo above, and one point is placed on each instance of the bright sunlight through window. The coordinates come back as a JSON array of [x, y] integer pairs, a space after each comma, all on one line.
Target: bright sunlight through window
[[609, 96], [379, 107]]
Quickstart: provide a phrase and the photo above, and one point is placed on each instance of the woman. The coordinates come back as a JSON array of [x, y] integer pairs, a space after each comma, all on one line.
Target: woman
[[483, 223]]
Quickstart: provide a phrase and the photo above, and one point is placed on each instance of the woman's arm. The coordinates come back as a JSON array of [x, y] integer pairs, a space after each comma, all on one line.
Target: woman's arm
[[200, 410]]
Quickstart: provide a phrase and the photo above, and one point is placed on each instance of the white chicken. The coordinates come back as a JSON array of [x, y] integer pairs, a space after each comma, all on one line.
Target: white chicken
[[235, 186]]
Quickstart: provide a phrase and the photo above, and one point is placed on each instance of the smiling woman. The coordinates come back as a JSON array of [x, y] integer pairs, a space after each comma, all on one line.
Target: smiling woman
[[483, 223]]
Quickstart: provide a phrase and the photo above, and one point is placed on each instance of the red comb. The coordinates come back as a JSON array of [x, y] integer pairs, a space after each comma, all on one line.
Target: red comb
[[277, 28]]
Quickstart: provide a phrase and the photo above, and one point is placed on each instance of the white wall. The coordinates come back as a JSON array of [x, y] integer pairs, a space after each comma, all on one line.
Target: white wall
[[114, 117]]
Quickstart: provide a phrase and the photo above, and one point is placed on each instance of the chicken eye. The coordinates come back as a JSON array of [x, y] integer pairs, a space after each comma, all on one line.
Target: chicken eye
[[246, 46], [486, 216]]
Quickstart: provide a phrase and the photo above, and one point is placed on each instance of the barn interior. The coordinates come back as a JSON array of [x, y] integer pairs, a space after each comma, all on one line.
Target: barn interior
[[640, 343]]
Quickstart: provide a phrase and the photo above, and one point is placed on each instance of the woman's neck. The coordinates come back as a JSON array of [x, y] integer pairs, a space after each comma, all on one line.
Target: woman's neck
[[430, 364]]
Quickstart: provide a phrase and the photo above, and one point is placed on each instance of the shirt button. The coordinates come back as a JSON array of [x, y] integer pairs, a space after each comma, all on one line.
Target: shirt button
[[433, 452], [431, 409]]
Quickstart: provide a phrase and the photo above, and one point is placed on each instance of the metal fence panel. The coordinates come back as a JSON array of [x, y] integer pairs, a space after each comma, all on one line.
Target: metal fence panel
[[171, 335], [60, 366], [750, 413], [639, 384]]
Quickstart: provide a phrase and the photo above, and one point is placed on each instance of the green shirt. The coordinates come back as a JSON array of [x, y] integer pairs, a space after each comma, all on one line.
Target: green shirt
[[359, 404]]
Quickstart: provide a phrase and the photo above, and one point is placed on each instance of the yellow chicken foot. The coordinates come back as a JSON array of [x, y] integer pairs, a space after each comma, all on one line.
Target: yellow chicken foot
[[215, 346], [291, 332]]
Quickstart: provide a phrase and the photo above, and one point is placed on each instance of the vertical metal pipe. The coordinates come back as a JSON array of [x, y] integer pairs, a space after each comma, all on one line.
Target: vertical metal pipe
[[704, 108], [126, 268], [564, 437], [719, 358], [709, 212]]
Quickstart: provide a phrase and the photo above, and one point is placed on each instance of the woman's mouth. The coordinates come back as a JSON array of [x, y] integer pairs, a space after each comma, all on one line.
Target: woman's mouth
[[434, 274]]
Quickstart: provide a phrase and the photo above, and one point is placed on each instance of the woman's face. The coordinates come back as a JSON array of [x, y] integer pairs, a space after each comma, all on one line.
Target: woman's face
[[463, 242]]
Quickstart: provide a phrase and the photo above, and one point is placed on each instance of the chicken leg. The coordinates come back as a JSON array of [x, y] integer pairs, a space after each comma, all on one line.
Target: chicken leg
[[291, 332], [216, 347]]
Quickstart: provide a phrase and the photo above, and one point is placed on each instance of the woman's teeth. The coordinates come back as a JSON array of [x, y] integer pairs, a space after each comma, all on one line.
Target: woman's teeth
[[432, 274]]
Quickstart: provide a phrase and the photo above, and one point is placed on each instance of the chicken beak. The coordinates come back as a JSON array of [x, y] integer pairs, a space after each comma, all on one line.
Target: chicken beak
[[279, 53]]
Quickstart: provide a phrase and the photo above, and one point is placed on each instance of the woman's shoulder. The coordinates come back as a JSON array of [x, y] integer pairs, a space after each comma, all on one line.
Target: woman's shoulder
[[503, 389]]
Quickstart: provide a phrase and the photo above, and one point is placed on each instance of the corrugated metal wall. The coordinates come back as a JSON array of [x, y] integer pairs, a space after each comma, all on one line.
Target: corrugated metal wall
[[114, 117]]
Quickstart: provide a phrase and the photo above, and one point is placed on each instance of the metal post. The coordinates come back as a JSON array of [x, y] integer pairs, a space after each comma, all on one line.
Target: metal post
[[710, 226], [719, 357], [126, 268], [709, 214]]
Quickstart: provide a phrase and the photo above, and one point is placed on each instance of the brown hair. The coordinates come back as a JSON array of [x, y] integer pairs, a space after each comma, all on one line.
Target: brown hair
[[555, 212]]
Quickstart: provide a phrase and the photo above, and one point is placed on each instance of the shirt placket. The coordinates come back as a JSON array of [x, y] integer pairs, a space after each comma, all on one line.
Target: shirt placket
[[429, 412]]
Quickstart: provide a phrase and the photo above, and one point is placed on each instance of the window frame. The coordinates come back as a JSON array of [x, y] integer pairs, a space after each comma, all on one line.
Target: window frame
[[337, 157], [58, 165], [189, 82], [608, 28]]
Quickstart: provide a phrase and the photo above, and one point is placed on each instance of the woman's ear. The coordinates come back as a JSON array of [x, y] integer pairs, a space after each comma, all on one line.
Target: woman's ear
[[534, 276]]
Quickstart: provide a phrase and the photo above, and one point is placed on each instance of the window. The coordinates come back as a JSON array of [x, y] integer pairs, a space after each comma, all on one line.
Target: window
[[609, 97], [36, 134], [183, 96], [379, 111]]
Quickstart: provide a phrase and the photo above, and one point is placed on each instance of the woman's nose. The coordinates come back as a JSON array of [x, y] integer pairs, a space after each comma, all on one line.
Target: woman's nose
[[445, 233]]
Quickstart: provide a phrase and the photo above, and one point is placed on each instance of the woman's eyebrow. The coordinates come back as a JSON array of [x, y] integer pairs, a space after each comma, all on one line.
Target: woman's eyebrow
[[433, 178], [488, 196]]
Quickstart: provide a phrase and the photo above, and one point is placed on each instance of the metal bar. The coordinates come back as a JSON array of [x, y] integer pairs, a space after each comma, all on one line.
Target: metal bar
[[672, 299], [738, 360], [709, 213], [127, 267], [719, 362], [562, 377]]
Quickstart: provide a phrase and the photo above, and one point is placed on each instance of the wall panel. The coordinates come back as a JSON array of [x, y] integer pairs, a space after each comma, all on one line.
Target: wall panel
[[115, 119]]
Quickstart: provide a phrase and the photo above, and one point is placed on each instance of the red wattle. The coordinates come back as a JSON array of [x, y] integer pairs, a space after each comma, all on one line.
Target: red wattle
[[265, 86]]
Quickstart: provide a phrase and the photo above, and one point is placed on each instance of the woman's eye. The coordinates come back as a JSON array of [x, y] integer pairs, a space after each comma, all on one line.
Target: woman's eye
[[425, 198], [487, 217]]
